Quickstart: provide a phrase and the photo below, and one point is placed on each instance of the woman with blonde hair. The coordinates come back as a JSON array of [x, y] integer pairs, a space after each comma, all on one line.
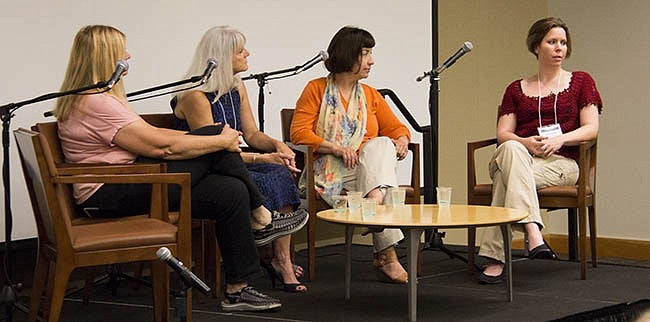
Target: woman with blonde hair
[[101, 127]]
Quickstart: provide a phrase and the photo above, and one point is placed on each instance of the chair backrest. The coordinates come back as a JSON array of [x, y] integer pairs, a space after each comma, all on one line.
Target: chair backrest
[[286, 116], [164, 120], [52, 206]]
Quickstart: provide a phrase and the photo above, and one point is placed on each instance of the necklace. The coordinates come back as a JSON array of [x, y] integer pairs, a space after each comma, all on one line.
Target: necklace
[[539, 97]]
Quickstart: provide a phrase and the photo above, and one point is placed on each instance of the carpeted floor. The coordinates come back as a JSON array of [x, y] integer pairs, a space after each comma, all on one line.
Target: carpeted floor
[[543, 291]]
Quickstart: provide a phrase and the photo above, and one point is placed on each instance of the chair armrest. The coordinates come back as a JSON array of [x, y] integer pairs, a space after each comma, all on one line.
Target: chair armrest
[[135, 168], [415, 167], [300, 148], [587, 158], [181, 179]]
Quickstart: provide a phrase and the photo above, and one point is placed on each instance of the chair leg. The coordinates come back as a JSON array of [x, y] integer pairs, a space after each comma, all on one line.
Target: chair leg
[[582, 232], [311, 244], [40, 279], [199, 253], [61, 275], [160, 278], [572, 223], [593, 235]]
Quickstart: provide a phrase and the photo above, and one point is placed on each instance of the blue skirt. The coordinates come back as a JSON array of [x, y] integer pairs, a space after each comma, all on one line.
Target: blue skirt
[[276, 184]]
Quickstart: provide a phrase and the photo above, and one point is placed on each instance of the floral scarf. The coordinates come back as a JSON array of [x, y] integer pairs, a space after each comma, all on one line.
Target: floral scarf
[[341, 127]]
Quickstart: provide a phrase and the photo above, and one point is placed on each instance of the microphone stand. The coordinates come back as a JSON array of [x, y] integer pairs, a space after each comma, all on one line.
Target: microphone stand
[[194, 79], [262, 80], [9, 290]]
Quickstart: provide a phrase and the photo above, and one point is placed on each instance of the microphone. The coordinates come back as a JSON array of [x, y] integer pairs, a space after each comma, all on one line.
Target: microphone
[[212, 64], [322, 56], [121, 67], [467, 47], [188, 277]]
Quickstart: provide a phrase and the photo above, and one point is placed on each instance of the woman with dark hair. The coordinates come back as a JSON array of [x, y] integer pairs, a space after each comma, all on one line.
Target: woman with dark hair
[[541, 120], [357, 138], [101, 127]]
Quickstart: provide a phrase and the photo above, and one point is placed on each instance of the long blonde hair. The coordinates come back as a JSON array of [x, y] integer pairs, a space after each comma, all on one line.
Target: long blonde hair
[[94, 54], [221, 43]]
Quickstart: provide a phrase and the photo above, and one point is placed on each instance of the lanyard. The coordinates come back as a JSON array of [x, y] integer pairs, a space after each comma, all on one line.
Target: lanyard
[[539, 98], [223, 111]]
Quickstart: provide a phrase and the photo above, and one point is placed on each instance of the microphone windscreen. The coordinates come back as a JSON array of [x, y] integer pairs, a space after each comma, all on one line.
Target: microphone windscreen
[[163, 253], [324, 55], [468, 46]]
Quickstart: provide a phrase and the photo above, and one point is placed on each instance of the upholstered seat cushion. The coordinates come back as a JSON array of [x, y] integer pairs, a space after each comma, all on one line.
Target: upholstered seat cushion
[[122, 234]]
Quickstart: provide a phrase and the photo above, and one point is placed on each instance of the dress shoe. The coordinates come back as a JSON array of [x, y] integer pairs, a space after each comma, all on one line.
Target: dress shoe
[[488, 279], [542, 251]]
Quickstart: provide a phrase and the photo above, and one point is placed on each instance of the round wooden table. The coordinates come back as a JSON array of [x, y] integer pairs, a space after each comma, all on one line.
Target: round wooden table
[[415, 219]]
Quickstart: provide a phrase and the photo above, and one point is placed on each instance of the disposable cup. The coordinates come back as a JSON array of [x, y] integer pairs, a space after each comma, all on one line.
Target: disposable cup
[[443, 194], [354, 199]]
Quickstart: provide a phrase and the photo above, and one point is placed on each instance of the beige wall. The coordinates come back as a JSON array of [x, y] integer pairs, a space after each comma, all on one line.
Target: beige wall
[[610, 40]]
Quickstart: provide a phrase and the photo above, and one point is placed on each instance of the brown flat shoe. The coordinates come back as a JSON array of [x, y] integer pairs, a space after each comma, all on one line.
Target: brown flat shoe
[[386, 257]]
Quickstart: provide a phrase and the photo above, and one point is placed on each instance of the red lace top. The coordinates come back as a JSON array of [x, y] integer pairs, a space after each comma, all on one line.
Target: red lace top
[[581, 92]]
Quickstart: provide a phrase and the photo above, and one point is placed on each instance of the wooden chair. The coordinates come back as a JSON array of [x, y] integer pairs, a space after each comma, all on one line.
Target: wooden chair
[[580, 197], [205, 249], [304, 161], [64, 246]]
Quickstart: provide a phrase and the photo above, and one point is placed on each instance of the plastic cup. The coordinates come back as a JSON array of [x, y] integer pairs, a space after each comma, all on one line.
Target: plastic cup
[[368, 207], [339, 203], [397, 196], [354, 199], [443, 194]]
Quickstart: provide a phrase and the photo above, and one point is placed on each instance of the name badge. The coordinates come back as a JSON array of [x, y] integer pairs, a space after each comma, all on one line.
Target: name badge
[[550, 131]]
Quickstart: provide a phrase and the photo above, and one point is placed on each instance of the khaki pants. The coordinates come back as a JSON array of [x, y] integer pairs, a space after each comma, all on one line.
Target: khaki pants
[[516, 176], [377, 168]]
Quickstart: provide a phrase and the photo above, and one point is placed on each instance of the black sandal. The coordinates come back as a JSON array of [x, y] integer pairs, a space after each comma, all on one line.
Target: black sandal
[[288, 287]]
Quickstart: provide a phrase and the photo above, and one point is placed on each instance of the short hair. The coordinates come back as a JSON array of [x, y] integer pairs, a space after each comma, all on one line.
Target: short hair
[[95, 51], [540, 28], [221, 43], [345, 48]]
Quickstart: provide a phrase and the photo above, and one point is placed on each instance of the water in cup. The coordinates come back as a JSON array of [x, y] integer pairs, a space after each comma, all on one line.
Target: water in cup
[[354, 199], [397, 196], [368, 207], [443, 194], [339, 203]]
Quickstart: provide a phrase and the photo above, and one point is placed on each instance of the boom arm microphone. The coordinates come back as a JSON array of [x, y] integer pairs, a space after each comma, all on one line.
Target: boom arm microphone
[[121, 67], [322, 56], [188, 277], [212, 64], [467, 47]]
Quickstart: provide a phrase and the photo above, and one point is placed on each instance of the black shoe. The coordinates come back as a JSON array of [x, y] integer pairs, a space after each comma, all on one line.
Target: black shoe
[[281, 224], [542, 251], [487, 279], [249, 299]]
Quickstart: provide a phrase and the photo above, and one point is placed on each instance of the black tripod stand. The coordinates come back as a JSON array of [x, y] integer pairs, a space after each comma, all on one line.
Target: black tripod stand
[[433, 238]]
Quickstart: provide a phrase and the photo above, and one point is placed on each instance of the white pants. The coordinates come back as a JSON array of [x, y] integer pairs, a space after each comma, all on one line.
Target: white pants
[[377, 168], [516, 177]]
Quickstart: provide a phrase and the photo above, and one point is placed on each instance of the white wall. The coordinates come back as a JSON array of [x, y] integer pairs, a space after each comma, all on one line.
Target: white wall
[[162, 35]]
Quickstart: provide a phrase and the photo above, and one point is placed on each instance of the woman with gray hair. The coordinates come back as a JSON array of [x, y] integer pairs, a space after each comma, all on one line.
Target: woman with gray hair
[[223, 99]]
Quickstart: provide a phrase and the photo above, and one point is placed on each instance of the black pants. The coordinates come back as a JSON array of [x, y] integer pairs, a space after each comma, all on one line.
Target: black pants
[[222, 190]]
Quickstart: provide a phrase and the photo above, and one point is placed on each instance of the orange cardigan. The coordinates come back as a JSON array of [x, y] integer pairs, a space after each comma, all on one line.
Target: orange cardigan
[[381, 120]]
